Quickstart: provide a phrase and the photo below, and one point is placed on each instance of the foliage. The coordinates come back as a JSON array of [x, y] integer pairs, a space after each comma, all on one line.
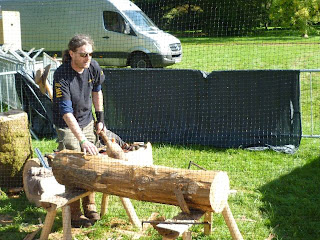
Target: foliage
[[231, 17], [210, 18], [299, 14]]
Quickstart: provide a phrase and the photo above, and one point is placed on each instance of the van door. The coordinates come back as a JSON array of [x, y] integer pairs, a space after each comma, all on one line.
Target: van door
[[116, 40]]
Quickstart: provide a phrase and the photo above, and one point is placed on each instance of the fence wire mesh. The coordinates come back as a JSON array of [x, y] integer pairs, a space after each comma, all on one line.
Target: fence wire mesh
[[190, 92]]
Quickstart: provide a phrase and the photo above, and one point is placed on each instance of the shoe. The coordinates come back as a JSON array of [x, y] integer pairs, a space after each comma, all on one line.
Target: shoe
[[81, 222], [89, 208], [78, 220], [92, 215]]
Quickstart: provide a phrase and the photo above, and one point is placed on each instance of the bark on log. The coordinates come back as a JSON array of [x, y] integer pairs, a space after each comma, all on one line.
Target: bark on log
[[15, 147], [204, 190]]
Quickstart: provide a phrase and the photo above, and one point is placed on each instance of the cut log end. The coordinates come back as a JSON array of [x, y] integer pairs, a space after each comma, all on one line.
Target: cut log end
[[34, 162], [219, 192]]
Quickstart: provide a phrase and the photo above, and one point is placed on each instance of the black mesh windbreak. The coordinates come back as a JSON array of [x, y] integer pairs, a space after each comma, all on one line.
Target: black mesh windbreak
[[224, 109]]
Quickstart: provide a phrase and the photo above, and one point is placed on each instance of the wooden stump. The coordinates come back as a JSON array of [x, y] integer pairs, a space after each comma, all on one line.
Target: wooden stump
[[34, 162], [198, 189], [39, 182], [15, 147]]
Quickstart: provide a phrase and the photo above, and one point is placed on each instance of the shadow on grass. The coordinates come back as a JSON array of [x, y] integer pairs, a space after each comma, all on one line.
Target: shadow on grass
[[23, 218], [291, 203]]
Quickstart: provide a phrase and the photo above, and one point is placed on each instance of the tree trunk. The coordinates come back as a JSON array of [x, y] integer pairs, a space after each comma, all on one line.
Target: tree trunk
[[15, 147], [204, 190]]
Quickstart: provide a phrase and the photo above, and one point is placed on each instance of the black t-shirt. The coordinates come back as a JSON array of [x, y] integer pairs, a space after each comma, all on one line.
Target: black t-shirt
[[72, 92]]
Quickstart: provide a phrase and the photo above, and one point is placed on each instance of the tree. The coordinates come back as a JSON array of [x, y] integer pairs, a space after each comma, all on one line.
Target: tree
[[299, 14], [211, 18]]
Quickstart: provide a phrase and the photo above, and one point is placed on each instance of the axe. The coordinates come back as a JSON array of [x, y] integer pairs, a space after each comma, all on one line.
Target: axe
[[41, 80], [113, 149]]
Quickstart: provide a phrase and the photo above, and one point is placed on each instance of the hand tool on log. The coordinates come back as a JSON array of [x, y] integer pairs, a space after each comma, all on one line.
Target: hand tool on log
[[43, 161], [113, 149]]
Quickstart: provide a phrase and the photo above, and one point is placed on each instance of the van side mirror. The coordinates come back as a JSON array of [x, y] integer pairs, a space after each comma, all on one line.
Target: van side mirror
[[127, 28]]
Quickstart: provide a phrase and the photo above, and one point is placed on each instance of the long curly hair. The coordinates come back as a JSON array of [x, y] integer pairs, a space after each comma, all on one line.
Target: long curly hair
[[77, 41]]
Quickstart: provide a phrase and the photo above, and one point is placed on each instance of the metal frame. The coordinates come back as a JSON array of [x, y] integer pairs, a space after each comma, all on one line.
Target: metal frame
[[310, 71]]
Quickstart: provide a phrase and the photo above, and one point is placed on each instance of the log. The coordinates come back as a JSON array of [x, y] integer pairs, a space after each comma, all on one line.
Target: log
[[15, 147], [204, 190], [39, 182]]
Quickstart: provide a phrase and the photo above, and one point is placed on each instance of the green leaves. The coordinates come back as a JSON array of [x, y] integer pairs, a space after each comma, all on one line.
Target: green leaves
[[297, 14]]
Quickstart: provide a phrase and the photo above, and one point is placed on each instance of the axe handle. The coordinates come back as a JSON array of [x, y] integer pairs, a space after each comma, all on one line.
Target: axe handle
[[49, 90], [104, 137]]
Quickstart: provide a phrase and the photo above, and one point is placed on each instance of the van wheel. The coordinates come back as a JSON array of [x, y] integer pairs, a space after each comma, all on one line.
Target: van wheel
[[140, 60]]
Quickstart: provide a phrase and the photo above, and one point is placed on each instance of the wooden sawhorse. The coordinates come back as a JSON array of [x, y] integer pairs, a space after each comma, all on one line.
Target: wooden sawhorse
[[52, 203]]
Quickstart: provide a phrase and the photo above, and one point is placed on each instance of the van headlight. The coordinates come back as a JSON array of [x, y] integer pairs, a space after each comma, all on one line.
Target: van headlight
[[162, 47]]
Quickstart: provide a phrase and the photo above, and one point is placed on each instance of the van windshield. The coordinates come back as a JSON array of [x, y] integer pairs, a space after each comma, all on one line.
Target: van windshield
[[141, 20]]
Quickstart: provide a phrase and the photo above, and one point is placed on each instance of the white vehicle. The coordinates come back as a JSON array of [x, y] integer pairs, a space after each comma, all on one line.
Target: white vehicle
[[123, 34]]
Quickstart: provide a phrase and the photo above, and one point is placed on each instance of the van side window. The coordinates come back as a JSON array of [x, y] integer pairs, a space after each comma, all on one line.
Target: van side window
[[113, 21]]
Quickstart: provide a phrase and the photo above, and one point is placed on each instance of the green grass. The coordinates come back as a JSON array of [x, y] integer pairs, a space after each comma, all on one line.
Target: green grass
[[276, 194], [270, 50]]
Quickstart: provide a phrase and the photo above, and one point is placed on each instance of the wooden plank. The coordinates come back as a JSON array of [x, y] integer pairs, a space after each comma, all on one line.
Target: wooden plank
[[32, 235], [48, 222], [66, 221], [131, 212], [231, 223], [181, 202], [208, 227], [104, 204], [172, 231], [61, 200]]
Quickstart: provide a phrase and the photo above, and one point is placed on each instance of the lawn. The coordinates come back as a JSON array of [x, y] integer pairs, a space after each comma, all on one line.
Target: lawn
[[276, 195]]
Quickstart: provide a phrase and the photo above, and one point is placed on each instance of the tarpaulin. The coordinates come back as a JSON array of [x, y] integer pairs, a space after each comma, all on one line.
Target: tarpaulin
[[37, 105], [257, 109], [225, 109]]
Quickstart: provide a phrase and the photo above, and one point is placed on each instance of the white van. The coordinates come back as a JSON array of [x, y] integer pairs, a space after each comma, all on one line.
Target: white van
[[123, 34]]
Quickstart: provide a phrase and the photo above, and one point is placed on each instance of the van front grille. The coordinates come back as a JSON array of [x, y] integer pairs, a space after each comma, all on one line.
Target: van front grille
[[175, 47]]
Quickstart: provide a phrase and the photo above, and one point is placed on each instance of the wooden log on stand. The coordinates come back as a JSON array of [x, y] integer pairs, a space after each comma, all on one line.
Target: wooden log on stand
[[204, 190]]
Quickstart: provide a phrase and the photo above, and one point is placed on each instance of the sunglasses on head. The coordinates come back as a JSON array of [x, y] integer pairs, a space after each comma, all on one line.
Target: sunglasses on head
[[85, 54]]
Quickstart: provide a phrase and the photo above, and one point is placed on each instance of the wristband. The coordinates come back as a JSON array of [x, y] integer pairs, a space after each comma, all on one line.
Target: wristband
[[100, 116], [82, 141]]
